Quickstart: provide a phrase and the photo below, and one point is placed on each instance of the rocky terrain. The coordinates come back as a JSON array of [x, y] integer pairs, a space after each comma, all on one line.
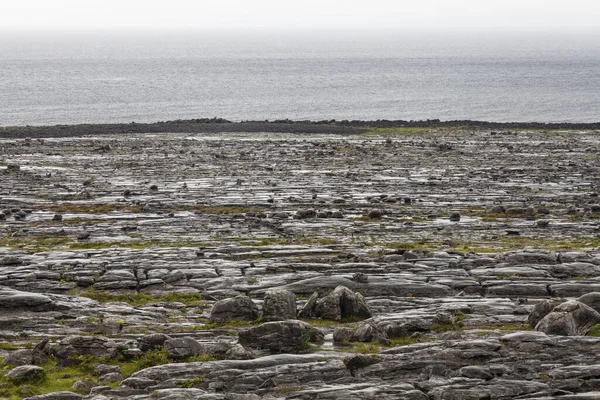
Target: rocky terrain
[[410, 263]]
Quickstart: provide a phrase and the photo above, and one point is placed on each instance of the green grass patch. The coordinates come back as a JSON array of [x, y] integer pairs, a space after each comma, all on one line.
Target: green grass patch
[[594, 331], [143, 299], [327, 323], [190, 383]]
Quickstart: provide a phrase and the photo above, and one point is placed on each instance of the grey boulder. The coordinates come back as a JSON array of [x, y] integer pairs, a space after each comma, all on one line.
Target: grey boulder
[[571, 318], [26, 373], [236, 308], [186, 347], [26, 357], [340, 304], [97, 346], [280, 336], [542, 309], [152, 341], [279, 305], [17, 300], [591, 299]]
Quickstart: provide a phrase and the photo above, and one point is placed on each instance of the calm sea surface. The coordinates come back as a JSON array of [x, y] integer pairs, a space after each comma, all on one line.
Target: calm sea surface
[[54, 78]]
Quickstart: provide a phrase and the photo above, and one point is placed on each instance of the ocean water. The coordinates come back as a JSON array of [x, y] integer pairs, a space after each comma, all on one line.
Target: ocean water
[[93, 77]]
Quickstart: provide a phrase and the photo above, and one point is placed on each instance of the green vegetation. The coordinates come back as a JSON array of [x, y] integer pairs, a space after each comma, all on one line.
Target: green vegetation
[[279, 241], [8, 346], [374, 348], [143, 299], [327, 323], [230, 324], [595, 331], [58, 379], [288, 388], [202, 358], [190, 383], [503, 327], [41, 243]]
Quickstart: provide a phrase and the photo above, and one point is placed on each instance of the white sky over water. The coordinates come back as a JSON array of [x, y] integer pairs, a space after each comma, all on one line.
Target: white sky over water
[[299, 14]]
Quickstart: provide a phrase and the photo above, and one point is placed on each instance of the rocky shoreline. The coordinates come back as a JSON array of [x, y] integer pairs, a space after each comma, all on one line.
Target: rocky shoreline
[[220, 125], [430, 262]]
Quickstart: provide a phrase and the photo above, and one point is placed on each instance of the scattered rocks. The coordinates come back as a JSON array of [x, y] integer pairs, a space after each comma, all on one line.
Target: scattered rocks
[[259, 222]]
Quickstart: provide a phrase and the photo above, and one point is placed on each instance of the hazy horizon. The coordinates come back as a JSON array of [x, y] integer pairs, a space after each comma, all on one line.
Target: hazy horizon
[[69, 61], [308, 14]]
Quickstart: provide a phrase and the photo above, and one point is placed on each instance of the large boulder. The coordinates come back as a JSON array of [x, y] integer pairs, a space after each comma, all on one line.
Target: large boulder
[[542, 309], [280, 336], [17, 300], [26, 357], [279, 305], [96, 346], [342, 303], [236, 308], [570, 318], [371, 333], [152, 341], [26, 373]]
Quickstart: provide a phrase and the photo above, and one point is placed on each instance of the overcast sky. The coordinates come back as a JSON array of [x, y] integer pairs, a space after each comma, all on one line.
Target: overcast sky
[[298, 14]]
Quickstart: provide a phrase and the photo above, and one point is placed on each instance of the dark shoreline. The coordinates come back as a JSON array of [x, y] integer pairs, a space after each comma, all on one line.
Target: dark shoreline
[[216, 125]]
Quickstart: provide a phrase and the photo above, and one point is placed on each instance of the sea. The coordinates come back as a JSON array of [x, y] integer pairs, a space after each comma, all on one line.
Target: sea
[[121, 76]]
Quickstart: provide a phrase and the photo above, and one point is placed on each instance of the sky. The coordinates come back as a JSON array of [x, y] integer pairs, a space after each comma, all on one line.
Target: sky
[[298, 14]]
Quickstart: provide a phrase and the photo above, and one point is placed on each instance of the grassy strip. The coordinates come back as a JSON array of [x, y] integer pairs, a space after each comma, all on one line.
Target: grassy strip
[[143, 299]]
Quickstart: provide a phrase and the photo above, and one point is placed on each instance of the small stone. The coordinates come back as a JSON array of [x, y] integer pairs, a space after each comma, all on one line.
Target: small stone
[[337, 214], [103, 369], [83, 236], [375, 214], [111, 377], [455, 217], [343, 335], [83, 385]]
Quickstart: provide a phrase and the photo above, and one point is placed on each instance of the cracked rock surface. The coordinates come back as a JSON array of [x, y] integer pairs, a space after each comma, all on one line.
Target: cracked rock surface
[[404, 266]]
